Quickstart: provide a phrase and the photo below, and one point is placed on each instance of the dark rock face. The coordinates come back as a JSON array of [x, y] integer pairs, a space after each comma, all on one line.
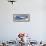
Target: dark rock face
[[4, 44], [44, 44]]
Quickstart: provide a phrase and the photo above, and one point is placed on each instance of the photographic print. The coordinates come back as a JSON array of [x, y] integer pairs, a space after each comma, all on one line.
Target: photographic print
[[22, 22], [21, 17]]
